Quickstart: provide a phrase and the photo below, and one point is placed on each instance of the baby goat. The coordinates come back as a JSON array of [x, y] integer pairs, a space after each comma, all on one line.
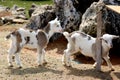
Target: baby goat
[[79, 41], [35, 39]]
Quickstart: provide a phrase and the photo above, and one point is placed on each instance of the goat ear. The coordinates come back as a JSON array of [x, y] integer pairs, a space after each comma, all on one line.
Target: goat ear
[[56, 18], [101, 38], [116, 36]]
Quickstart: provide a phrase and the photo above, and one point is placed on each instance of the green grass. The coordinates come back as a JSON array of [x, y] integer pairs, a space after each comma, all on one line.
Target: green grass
[[25, 3]]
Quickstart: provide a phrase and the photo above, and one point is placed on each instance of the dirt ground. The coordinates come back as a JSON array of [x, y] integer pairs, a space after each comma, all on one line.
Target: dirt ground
[[81, 69]]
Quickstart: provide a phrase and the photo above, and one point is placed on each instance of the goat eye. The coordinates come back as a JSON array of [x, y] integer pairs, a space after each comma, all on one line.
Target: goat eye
[[57, 25]]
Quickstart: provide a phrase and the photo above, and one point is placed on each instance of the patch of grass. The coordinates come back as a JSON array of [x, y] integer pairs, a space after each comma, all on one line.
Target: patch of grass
[[25, 3]]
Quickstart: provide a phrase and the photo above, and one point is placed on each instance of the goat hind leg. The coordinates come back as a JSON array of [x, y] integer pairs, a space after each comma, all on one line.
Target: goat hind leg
[[66, 58], [10, 60], [17, 59], [11, 51]]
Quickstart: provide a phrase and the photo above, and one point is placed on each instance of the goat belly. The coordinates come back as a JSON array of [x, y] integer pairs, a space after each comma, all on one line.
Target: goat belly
[[31, 45], [85, 53], [86, 50]]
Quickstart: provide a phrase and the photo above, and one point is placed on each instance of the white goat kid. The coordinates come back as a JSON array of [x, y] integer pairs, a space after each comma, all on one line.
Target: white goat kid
[[79, 41], [35, 39]]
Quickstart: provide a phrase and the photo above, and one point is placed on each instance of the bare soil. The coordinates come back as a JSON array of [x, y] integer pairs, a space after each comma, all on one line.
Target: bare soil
[[81, 69]]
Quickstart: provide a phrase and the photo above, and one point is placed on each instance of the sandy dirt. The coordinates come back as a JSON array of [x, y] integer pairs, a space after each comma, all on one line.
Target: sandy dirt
[[81, 69]]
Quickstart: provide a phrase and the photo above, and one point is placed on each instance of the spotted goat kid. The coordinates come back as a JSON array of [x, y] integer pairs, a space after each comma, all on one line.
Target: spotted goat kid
[[34, 39], [86, 44]]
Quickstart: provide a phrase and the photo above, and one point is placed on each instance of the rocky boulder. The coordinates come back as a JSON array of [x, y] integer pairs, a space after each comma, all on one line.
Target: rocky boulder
[[36, 9], [70, 18], [89, 18], [41, 20], [14, 15]]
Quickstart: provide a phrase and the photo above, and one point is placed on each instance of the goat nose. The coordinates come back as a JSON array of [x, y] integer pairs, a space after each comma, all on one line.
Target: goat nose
[[61, 30], [111, 45]]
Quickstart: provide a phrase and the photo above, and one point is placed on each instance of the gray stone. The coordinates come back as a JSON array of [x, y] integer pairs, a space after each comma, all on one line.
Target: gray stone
[[89, 18], [70, 18], [8, 15]]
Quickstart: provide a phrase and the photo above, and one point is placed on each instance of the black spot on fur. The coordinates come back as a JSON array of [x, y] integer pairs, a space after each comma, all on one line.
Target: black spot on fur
[[31, 31], [83, 34], [89, 38], [27, 39]]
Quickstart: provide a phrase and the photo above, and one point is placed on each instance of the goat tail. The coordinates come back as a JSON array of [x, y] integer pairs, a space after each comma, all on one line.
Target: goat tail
[[66, 34], [68, 37]]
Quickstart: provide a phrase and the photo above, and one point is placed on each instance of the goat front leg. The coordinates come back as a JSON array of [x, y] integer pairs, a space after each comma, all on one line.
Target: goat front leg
[[44, 60], [17, 59], [95, 64], [40, 57], [109, 63]]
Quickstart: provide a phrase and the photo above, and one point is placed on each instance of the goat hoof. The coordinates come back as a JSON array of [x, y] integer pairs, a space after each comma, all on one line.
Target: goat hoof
[[19, 67], [10, 66], [94, 66], [100, 71], [39, 65], [67, 65], [44, 63], [112, 69], [64, 65]]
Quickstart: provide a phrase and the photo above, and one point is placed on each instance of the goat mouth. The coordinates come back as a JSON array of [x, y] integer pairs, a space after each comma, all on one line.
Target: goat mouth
[[60, 30]]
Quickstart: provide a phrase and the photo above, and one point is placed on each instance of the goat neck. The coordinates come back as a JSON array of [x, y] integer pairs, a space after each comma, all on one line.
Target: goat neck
[[48, 31]]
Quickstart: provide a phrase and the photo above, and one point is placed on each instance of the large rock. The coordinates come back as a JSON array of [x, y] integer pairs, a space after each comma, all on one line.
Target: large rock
[[110, 19], [70, 18], [82, 5], [89, 18], [36, 10], [40, 16], [41, 20]]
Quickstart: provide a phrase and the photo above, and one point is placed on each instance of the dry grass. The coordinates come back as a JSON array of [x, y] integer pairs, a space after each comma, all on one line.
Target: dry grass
[[54, 70]]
